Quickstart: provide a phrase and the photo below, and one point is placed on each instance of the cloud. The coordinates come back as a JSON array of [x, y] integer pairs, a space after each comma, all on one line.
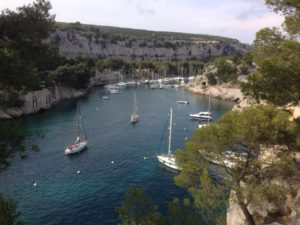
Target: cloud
[[231, 18], [144, 10]]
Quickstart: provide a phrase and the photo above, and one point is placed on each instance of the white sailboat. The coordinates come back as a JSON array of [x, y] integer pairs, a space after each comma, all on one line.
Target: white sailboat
[[183, 102], [204, 115], [80, 143], [105, 97], [169, 159], [134, 118]]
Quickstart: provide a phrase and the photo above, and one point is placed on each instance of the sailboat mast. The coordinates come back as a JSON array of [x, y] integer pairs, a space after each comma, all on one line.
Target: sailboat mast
[[170, 131], [79, 122], [135, 103], [209, 103]]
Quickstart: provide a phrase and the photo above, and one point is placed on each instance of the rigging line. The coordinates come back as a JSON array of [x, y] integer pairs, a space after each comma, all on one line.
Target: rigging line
[[163, 134]]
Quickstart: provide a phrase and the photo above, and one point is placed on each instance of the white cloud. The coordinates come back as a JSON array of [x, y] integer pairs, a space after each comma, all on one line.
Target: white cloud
[[236, 19]]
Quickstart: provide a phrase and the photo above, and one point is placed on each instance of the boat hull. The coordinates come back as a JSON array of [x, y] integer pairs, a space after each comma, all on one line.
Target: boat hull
[[183, 102], [114, 91], [168, 161], [200, 117], [134, 118], [76, 147]]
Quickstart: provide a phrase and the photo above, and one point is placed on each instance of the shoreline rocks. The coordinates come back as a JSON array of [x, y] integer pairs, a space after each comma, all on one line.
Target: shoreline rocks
[[233, 94], [38, 101]]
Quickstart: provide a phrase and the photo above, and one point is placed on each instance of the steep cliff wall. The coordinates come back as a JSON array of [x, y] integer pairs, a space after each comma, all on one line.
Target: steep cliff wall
[[37, 101], [89, 43]]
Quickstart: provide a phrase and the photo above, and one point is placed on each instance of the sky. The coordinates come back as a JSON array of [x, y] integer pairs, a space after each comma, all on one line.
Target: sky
[[239, 19]]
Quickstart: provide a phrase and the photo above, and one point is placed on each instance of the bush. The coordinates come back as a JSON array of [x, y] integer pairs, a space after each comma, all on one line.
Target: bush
[[212, 80]]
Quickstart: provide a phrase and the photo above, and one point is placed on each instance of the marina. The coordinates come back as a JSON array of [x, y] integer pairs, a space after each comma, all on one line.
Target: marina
[[85, 188]]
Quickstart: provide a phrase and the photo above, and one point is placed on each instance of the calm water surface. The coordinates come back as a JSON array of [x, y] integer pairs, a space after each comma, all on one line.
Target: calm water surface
[[63, 197]]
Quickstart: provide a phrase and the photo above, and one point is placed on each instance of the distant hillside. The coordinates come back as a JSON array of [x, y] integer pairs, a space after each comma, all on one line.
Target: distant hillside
[[123, 43]]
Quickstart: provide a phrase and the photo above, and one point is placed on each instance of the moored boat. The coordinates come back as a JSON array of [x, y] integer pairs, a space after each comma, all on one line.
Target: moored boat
[[81, 142], [169, 159]]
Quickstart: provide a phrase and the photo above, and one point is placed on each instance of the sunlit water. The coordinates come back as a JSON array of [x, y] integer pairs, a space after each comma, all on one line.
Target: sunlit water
[[63, 197]]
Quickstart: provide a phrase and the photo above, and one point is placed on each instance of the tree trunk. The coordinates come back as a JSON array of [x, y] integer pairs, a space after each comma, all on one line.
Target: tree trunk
[[248, 216]]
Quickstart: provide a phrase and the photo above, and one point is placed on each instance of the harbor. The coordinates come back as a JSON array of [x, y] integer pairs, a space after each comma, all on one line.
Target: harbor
[[49, 184]]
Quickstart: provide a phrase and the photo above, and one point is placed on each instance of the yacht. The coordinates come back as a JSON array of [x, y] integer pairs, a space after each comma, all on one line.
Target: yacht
[[204, 115], [169, 159]]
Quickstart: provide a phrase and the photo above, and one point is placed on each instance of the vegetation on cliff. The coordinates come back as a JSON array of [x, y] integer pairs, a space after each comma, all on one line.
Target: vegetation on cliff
[[120, 43], [121, 33]]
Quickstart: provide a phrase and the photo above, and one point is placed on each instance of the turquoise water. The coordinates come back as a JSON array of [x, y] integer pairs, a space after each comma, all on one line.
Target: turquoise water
[[63, 197]]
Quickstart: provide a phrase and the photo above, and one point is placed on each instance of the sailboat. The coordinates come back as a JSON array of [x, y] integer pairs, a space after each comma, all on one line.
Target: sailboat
[[134, 116], [81, 142], [183, 101], [169, 159], [204, 115]]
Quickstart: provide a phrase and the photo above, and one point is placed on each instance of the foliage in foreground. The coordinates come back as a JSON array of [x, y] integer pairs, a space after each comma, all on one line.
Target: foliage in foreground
[[278, 59], [8, 212], [11, 137], [291, 11], [236, 143], [138, 209], [277, 56]]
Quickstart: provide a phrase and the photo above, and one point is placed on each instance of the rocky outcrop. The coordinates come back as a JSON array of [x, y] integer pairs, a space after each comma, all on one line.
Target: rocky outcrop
[[288, 213], [295, 215], [37, 101], [221, 92], [93, 44]]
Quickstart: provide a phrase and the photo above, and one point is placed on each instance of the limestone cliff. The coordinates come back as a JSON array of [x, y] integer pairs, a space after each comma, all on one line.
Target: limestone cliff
[[219, 91], [98, 44], [40, 100]]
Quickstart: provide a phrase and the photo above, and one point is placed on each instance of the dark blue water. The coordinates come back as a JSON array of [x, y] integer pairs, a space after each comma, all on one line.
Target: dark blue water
[[63, 197]]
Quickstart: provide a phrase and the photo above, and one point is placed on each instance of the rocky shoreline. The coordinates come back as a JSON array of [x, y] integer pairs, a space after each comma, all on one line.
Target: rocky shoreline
[[227, 93], [41, 100], [44, 99]]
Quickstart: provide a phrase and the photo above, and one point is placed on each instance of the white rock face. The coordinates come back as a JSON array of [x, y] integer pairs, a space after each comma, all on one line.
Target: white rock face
[[37, 101], [73, 43], [229, 94], [289, 211], [234, 215], [295, 220]]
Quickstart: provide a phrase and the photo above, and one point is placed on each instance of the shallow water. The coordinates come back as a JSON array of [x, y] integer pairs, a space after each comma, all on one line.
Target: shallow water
[[63, 197]]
